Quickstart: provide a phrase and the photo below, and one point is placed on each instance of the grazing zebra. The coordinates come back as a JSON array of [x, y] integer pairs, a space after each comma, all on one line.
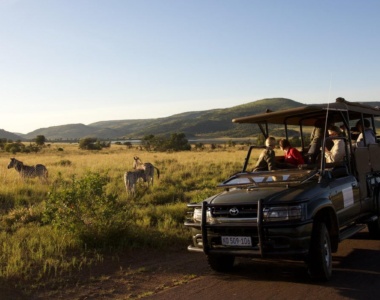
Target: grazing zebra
[[29, 171], [149, 172], [148, 169], [131, 178]]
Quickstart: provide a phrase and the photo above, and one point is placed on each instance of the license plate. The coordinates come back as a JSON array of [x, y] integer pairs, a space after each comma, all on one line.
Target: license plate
[[236, 241]]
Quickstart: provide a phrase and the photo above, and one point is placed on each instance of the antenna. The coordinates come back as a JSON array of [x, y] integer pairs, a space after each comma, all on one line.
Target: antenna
[[326, 123]]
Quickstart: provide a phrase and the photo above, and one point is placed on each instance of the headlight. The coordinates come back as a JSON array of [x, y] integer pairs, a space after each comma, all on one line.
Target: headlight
[[197, 215], [282, 213]]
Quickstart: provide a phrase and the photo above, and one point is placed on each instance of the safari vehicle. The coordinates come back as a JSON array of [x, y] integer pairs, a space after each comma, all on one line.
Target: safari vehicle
[[301, 213]]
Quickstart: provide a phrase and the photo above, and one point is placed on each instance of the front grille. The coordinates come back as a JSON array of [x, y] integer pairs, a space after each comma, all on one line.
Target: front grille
[[241, 231], [234, 211]]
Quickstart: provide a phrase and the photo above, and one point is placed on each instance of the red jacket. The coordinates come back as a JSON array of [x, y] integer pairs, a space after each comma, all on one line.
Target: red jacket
[[294, 157]]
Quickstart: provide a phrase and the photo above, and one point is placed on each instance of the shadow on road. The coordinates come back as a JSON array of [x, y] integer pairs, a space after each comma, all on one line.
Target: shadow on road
[[356, 270]]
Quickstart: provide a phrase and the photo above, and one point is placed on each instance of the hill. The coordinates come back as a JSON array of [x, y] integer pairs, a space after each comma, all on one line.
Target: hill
[[209, 123], [9, 135], [195, 124]]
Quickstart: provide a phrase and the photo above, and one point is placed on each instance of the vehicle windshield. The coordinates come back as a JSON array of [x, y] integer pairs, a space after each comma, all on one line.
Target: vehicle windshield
[[269, 177]]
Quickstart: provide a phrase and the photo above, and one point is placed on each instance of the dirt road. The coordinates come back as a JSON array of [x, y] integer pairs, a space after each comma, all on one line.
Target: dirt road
[[154, 275], [356, 275]]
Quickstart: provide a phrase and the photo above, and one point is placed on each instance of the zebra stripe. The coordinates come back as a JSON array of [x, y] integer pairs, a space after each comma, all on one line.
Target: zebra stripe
[[29, 171], [148, 169], [131, 178]]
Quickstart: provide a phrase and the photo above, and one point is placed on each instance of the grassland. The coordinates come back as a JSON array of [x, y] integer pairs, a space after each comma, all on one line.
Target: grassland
[[84, 211]]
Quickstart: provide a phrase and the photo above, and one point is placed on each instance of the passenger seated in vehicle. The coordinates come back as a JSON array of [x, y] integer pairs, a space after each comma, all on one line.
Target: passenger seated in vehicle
[[370, 137], [337, 152], [293, 157], [316, 138], [266, 161]]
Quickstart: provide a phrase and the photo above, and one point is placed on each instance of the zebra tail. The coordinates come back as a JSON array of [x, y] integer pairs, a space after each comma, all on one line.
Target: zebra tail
[[158, 172]]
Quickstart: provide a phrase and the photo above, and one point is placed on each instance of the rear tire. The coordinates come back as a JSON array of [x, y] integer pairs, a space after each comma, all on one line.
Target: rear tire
[[221, 263], [374, 229], [320, 257]]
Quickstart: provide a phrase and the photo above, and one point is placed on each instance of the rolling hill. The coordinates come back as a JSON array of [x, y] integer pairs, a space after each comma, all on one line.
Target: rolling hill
[[196, 124], [9, 135], [209, 123]]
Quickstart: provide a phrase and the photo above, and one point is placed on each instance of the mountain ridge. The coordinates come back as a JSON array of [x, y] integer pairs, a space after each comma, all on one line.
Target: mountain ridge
[[195, 124]]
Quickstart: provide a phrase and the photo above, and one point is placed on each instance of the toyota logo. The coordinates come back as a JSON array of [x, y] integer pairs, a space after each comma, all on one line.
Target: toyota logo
[[234, 211]]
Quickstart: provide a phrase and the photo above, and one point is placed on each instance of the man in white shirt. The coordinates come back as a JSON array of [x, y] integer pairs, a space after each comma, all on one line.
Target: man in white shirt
[[370, 137], [337, 152]]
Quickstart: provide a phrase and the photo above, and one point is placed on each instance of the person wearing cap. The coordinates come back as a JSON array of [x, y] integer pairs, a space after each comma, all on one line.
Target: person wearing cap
[[266, 161], [337, 151], [370, 137]]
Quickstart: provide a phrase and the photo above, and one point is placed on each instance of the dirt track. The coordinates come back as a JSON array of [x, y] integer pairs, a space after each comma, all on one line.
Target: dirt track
[[183, 275], [356, 275]]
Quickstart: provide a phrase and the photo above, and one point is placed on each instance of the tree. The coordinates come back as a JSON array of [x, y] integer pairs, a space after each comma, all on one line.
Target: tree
[[40, 140], [148, 141], [14, 147], [3, 142], [128, 144], [176, 142], [295, 141], [231, 143], [260, 140], [89, 144]]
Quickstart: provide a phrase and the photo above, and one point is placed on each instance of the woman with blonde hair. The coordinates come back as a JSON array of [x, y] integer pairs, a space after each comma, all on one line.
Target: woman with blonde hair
[[266, 161]]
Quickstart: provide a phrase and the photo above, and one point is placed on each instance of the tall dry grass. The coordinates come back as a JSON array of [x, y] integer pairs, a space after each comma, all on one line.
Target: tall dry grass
[[34, 249]]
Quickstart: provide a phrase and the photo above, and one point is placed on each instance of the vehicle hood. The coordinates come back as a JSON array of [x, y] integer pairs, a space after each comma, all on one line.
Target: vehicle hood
[[268, 194]]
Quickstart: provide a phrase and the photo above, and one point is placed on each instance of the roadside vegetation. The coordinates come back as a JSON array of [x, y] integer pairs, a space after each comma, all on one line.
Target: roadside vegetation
[[84, 212]]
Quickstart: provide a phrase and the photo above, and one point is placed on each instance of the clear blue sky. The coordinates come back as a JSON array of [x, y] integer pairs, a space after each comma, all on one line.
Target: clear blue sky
[[83, 61]]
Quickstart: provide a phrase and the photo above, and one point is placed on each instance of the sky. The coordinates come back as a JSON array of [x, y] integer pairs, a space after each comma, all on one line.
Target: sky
[[83, 61]]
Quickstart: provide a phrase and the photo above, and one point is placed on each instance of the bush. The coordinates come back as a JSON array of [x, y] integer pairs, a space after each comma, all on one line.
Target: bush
[[40, 140], [82, 207], [176, 142], [93, 144], [14, 147]]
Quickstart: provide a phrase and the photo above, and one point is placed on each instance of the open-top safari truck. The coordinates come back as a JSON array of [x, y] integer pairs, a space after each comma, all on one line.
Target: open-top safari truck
[[300, 213]]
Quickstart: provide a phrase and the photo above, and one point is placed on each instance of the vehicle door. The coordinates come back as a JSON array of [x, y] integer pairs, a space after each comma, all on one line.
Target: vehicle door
[[345, 196]]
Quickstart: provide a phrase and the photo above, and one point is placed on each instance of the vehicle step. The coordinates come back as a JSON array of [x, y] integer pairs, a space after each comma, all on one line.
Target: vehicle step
[[369, 219], [350, 231]]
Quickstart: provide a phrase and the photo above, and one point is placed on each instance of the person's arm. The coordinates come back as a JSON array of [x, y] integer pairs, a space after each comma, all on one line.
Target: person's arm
[[297, 156], [337, 152], [271, 161], [360, 141]]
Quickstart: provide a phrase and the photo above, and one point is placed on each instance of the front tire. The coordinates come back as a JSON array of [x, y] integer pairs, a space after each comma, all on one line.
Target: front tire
[[221, 263], [320, 257], [374, 229]]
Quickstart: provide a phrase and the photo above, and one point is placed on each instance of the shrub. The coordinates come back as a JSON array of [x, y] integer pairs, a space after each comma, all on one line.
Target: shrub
[[14, 147], [93, 144], [64, 163], [176, 142], [82, 207], [40, 140]]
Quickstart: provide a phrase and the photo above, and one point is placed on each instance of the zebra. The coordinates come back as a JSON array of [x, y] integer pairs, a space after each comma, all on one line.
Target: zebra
[[137, 163], [147, 167], [149, 172], [131, 178], [29, 171]]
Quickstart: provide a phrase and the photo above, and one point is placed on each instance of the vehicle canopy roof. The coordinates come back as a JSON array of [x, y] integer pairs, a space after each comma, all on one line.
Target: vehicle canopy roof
[[309, 114]]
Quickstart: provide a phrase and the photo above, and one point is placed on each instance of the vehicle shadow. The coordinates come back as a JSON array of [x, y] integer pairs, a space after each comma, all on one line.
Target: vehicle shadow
[[356, 270]]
